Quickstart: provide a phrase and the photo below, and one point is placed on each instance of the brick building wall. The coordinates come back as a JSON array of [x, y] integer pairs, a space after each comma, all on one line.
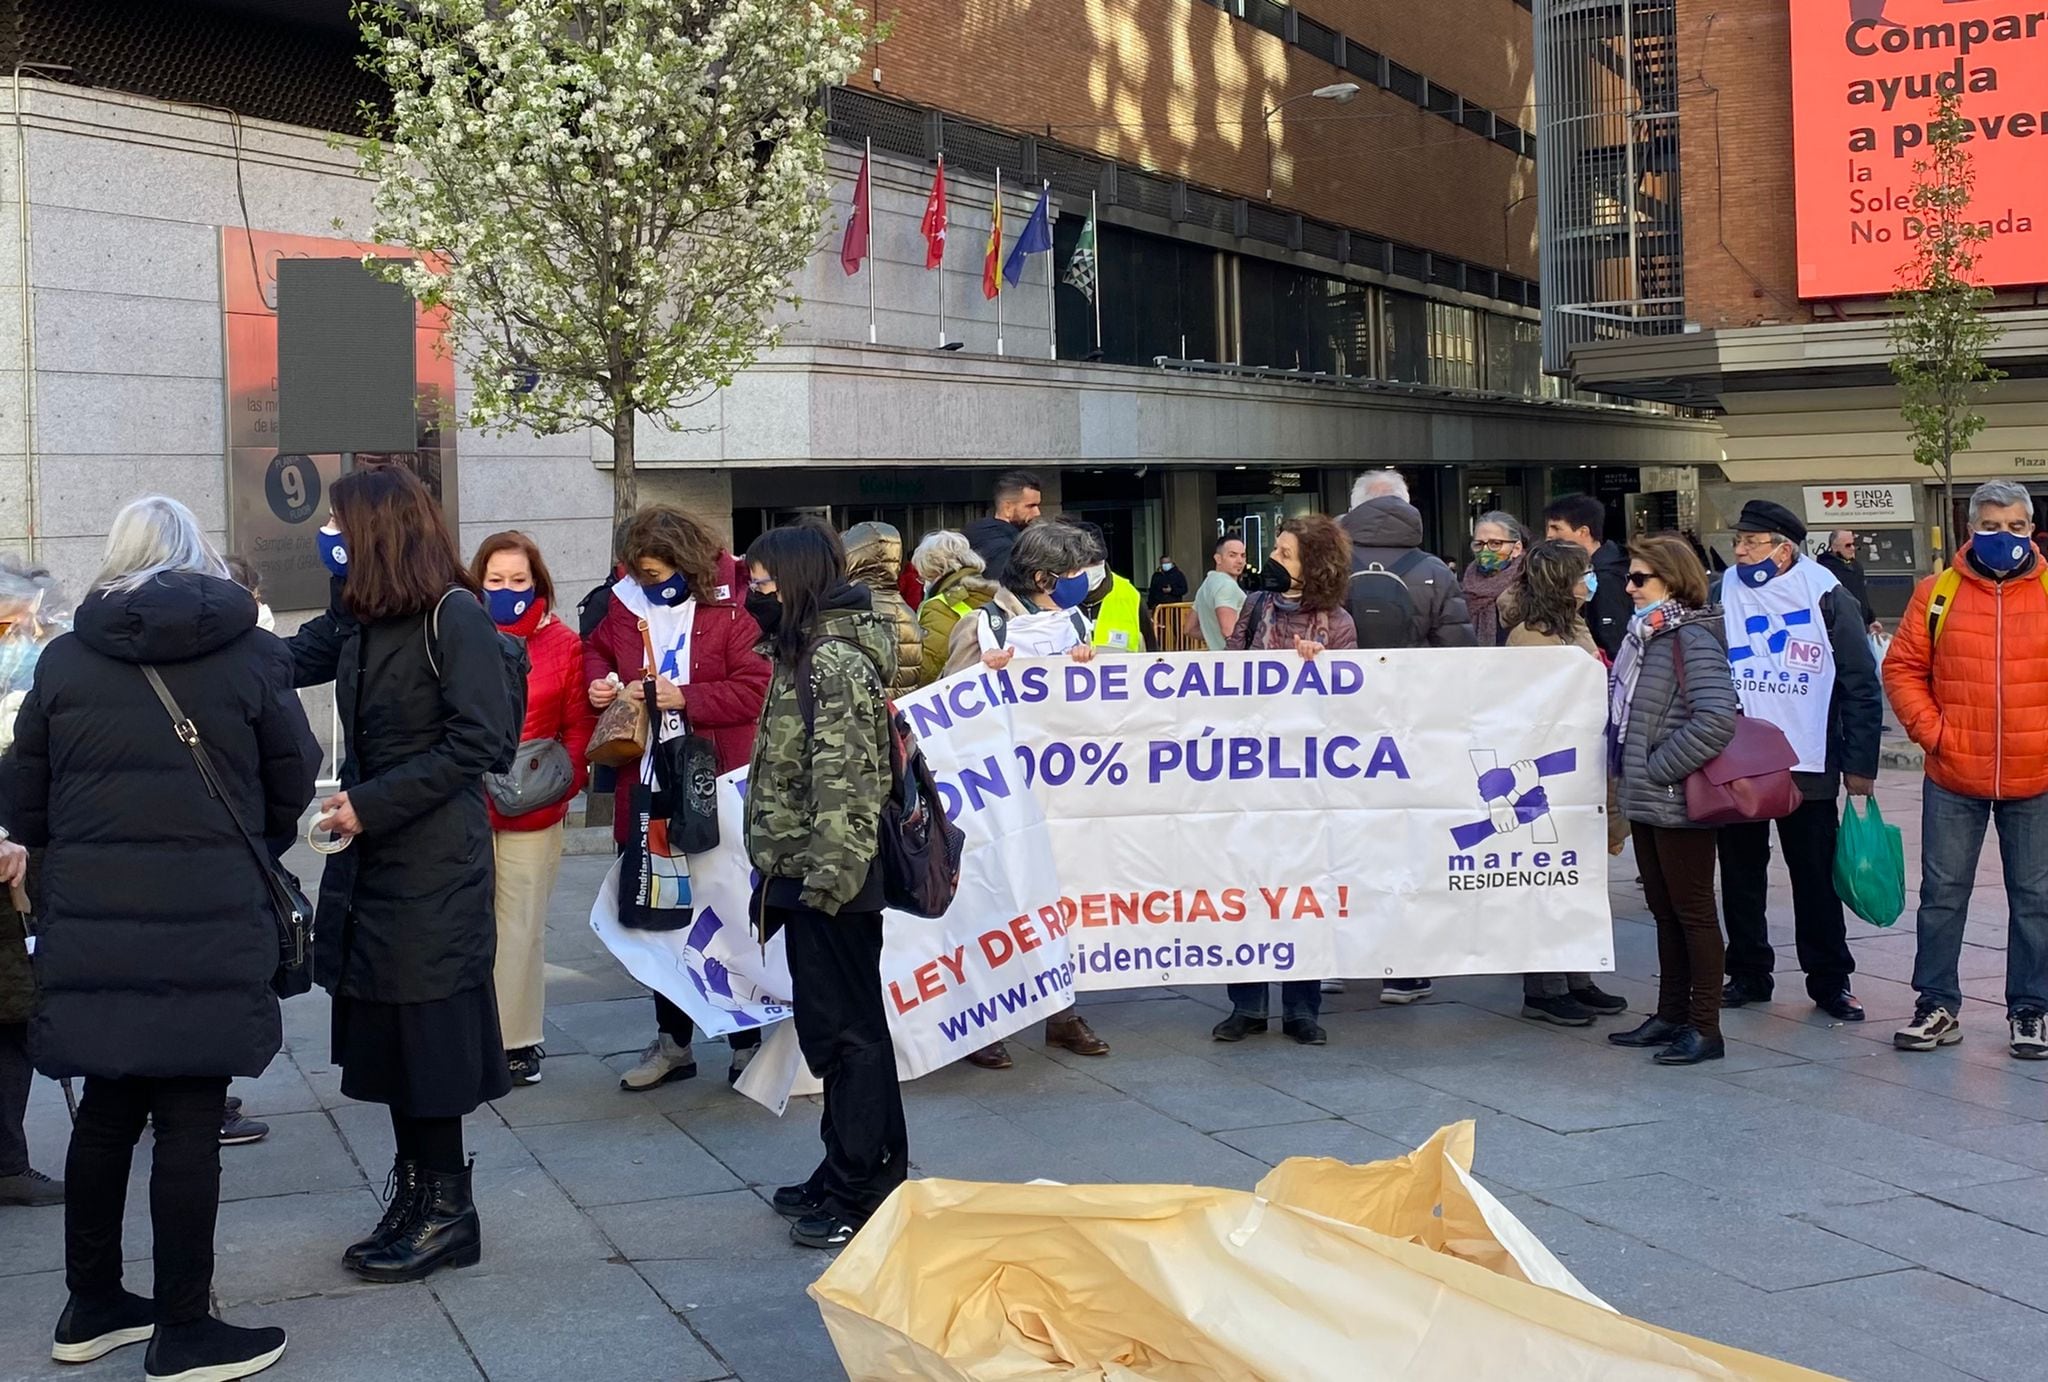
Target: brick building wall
[[1482, 49], [1735, 162], [1181, 87]]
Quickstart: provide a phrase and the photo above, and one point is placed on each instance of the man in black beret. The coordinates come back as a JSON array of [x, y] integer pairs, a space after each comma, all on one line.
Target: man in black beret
[[1800, 660]]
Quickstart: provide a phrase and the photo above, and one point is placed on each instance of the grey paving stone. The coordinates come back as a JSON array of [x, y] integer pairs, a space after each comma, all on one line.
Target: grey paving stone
[[1204, 1095], [2009, 1088], [289, 1245], [2000, 1259], [1844, 1091], [1726, 1234], [754, 1314], [1338, 1081], [757, 1147], [526, 1217], [606, 1028], [599, 1323], [1916, 1309], [392, 1334], [1770, 1171], [1330, 1137], [732, 1225], [1997, 1355], [34, 1300], [1575, 1089], [2021, 1144], [618, 1161], [303, 1153], [280, 1089], [2020, 1203]]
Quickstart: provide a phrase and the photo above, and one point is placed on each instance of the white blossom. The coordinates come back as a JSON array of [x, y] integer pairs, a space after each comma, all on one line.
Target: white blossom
[[611, 197]]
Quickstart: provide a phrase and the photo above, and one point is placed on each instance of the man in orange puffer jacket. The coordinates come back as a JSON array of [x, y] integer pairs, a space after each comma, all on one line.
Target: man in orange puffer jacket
[[1968, 675]]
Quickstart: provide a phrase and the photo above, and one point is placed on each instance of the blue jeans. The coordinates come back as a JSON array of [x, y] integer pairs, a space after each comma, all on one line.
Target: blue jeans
[[1951, 838], [1299, 998]]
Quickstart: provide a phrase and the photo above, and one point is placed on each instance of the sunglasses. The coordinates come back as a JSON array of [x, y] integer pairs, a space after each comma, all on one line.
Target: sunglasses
[[1638, 579]]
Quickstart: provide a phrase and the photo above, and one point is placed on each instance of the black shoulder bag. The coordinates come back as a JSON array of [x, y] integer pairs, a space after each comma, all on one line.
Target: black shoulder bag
[[294, 914]]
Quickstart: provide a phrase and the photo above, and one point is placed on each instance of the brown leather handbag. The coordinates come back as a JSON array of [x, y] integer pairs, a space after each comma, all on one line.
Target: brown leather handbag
[[1750, 780], [622, 731]]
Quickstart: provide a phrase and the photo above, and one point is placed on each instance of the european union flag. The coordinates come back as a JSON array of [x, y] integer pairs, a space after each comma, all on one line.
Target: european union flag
[[1035, 238]]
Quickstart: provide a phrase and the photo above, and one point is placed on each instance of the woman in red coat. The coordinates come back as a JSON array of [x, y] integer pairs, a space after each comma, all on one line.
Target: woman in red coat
[[528, 847], [708, 669]]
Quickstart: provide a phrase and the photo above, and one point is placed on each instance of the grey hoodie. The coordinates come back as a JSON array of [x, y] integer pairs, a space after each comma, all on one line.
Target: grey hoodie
[[1386, 529]]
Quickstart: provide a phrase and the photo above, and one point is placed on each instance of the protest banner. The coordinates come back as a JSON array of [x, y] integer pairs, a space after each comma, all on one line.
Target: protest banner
[[1211, 817]]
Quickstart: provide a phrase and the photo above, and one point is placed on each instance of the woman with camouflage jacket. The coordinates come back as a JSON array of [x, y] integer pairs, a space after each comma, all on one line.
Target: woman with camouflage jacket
[[815, 790]]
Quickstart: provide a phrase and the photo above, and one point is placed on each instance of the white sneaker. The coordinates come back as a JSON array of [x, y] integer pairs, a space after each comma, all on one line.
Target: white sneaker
[[661, 1062], [1333, 986], [2029, 1035], [1932, 1025]]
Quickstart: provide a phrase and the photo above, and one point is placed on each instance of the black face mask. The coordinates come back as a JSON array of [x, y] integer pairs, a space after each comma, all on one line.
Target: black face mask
[[767, 611], [1275, 578]]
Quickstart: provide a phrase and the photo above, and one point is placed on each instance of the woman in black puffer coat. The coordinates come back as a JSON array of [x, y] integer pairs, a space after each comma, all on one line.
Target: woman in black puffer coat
[[407, 931], [156, 939]]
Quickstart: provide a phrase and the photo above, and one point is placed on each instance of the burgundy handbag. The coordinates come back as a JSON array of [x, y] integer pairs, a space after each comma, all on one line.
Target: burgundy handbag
[[1750, 780]]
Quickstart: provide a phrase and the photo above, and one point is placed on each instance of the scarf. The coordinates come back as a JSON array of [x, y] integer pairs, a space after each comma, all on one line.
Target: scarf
[[1279, 620], [1628, 667], [669, 630], [1482, 593], [1781, 657]]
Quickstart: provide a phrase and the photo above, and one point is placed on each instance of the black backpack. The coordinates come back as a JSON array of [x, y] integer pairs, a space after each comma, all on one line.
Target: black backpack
[[920, 849], [1382, 606], [517, 668]]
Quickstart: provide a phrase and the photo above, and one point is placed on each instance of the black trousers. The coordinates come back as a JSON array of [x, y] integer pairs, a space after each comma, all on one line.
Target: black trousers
[[1808, 839], [184, 1187], [1677, 867], [672, 1021], [15, 1074], [835, 966]]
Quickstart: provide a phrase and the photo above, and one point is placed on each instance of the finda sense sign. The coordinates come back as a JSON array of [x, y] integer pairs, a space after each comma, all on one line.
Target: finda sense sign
[[1865, 74]]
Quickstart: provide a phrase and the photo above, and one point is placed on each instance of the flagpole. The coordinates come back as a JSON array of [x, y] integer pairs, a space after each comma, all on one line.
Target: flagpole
[[1052, 319], [868, 168], [1096, 296], [998, 216], [942, 271]]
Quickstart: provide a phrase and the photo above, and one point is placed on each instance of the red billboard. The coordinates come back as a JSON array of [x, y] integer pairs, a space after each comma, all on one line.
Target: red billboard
[[1865, 74]]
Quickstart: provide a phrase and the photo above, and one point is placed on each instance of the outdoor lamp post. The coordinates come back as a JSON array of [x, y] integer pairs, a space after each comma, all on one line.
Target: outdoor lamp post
[[1340, 92]]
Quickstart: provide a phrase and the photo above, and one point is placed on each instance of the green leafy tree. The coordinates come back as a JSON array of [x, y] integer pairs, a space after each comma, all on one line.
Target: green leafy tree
[[1939, 330], [611, 197]]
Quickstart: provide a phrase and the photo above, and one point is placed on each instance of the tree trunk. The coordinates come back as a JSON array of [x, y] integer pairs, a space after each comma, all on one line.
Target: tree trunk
[[1948, 505], [625, 480]]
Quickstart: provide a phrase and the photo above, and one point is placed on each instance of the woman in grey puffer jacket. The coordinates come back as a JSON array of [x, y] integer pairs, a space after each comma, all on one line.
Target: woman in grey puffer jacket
[[1672, 709]]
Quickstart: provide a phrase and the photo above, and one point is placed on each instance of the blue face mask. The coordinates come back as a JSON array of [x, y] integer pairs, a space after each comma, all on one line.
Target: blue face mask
[[2000, 552], [670, 592], [1592, 584], [333, 552], [508, 606], [1069, 591], [1757, 573]]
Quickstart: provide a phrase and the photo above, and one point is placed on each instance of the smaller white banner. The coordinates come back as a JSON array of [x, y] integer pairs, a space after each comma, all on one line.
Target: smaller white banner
[[1847, 505]]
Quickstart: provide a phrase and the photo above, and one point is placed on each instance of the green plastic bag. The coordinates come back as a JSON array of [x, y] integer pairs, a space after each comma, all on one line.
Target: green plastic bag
[[1870, 864]]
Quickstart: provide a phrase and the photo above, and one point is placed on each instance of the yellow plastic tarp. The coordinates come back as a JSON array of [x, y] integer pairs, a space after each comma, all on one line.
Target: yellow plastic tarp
[[1399, 1269]]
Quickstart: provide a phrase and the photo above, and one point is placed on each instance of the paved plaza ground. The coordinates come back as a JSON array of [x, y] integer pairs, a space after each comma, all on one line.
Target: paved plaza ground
[[1817, 1196]]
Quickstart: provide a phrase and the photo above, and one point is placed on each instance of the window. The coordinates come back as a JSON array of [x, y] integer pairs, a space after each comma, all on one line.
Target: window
[[1453, 346], [1514, 356], [1158, 297], [1405, 321]]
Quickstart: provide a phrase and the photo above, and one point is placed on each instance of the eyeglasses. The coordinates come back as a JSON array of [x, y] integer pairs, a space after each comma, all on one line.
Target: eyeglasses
[[1492, 544], [763, 586], [1639, 579]]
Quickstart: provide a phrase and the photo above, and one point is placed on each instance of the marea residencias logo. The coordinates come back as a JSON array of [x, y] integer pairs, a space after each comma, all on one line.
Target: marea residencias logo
[[1515, 844]]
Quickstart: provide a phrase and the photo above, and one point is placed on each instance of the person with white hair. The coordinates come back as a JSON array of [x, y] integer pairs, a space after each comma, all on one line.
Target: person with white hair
[[158, 938], [1401, 596], [1968, 675], [954, 587]]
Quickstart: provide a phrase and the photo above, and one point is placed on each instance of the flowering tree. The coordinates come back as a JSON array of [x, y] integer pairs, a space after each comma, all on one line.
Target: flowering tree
[[1940, 331], [614, 194]]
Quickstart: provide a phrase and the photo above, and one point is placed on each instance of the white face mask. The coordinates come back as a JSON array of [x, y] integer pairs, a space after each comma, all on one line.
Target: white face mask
[[1096, 575], [1166, 566], [265, 619]]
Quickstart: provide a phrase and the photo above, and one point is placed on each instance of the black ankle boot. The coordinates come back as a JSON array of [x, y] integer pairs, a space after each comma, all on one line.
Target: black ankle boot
[[1655, 1032], [442, 1232], [403, 1188]]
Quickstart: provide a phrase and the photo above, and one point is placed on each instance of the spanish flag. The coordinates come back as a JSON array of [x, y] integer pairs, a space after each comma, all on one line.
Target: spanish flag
[[992, 261]]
